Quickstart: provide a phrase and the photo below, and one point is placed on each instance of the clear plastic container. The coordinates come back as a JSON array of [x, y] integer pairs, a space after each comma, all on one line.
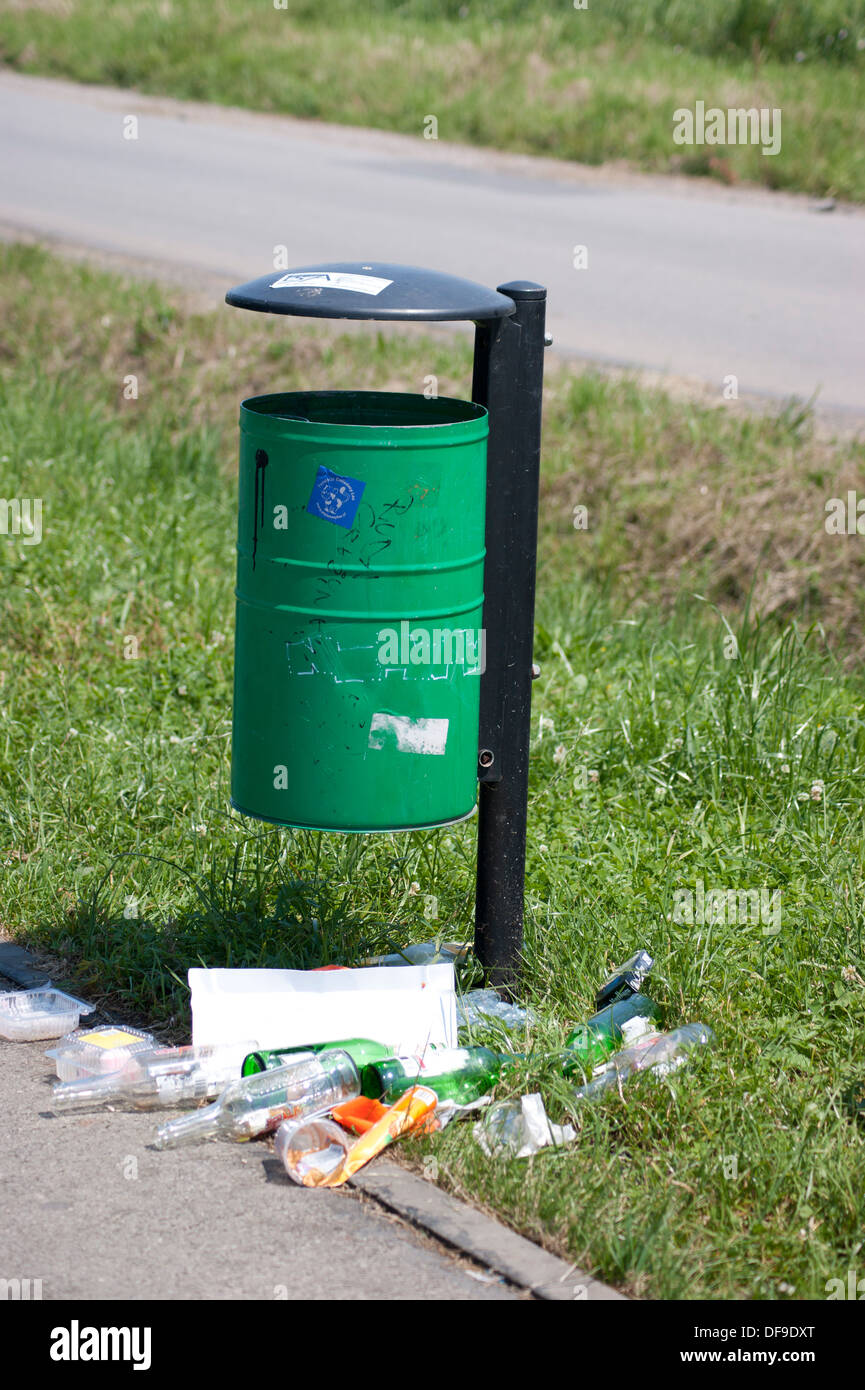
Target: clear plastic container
[[98, 1051], [32, 1014], [311, 1147]]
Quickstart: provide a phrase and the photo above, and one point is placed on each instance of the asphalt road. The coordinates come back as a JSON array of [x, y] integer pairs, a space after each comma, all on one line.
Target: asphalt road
[[91, 1210], [682, 277]]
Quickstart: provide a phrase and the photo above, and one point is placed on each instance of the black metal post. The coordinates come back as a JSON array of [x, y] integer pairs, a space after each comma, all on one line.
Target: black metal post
[[508, 380]]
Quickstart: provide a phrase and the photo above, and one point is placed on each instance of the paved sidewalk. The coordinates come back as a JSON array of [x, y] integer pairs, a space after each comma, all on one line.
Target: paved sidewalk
[[88, 1207]]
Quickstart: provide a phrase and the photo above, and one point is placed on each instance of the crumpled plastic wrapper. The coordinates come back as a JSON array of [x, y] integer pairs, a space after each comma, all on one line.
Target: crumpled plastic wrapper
[[518, 1129], [448, 1110], [483, 1006]]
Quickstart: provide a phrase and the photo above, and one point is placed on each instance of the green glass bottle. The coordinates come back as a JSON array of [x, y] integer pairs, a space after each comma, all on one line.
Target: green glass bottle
[[462, 1074], [362, 1051], [600, 1035]]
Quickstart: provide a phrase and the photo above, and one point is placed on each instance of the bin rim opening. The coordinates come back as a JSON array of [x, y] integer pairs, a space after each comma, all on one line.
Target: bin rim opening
[[397, 410]]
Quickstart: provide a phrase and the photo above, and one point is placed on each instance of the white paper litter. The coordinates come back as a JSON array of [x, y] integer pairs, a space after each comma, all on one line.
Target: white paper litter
[[406, 1010]]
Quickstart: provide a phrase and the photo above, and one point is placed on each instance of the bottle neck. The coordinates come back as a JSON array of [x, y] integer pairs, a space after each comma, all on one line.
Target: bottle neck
[[90, 1091], [201, 1124]]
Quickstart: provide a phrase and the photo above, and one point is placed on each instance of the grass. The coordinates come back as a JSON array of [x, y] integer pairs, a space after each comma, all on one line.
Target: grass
[[594, 85], [668, 755]]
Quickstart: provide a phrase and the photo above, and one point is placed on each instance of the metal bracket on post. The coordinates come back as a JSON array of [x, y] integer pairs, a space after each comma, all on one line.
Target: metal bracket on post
[[508, 380]]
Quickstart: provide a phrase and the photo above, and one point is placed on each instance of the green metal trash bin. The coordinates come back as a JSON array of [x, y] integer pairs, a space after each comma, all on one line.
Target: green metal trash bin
[[359, 648]]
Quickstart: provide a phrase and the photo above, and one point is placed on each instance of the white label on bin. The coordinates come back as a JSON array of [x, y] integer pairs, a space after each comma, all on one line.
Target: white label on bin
[[408, 735], [331, 280]]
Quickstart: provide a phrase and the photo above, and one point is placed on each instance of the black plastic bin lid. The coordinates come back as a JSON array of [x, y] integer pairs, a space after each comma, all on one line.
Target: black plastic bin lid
[[370, 290]]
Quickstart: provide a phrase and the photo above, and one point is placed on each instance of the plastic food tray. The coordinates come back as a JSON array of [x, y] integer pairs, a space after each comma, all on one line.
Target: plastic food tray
[[98, 1051], [31, 1014]]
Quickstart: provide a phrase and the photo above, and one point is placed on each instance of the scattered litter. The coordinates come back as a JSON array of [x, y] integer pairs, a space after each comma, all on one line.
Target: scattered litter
[[97, 1051], [520, 1128], [460, 1071], [625, 979], [309, 1151], [408, 1009], [159, 1077], [335, 1105], [257, 1104], [362, 1052], [30, 1015], [460, 1074], [448, 1110], [594, 1040], [425, 953], [658, 1053], [357, 1116], [482, 1006]]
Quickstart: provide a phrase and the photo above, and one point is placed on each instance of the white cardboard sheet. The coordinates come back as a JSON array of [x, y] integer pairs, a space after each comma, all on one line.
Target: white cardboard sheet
[[405, 1009]]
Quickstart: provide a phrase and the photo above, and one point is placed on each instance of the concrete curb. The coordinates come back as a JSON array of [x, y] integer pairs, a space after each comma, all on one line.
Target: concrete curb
[[478, 1236], [18, 965]]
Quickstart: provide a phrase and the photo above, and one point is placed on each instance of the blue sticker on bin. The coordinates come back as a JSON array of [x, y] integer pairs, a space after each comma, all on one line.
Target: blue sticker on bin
[[335, 498]]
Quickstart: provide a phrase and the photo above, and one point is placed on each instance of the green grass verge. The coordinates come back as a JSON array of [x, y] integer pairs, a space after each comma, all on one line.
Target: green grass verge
[[593, 84], [666, 759]]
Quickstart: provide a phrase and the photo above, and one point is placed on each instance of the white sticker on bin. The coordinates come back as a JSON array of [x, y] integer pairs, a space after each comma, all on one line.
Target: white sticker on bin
[[410, 735], [331, 280]]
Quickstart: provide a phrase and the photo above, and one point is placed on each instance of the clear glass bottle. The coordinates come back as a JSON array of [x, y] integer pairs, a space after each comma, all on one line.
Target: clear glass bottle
[[252, 1105], [659, 1053], [158, 1076]]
